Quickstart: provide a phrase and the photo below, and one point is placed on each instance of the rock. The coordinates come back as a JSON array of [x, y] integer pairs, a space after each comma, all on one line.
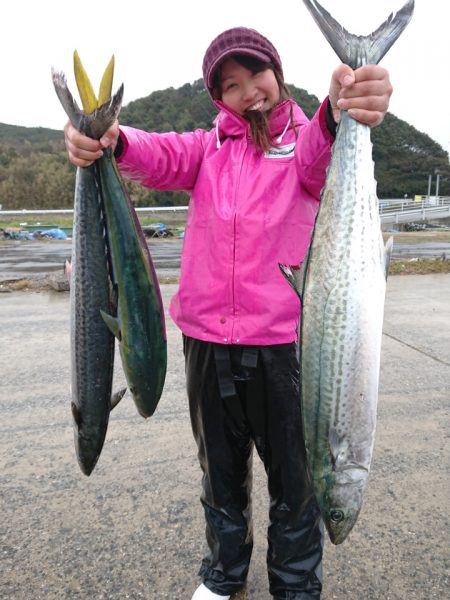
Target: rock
[[59, 282]]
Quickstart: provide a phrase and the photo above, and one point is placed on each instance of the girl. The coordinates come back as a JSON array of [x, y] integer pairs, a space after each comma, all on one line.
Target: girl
[[255, 182]]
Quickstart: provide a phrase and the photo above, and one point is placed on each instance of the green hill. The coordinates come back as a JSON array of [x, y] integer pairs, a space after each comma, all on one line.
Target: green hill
[[35, 172]]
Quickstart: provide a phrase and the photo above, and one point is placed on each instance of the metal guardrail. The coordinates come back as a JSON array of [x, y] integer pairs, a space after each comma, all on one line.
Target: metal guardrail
[[392, 211], [69, 211], [429, 208]]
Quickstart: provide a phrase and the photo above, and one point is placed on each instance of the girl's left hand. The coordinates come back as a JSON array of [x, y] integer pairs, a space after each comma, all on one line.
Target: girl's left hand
[[364, 93]]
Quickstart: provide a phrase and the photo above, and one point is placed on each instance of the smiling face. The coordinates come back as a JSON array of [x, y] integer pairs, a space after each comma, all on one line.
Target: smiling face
[[244, 91]]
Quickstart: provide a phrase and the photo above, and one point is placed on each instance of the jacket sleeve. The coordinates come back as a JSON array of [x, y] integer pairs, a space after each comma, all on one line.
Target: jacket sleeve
[[161, 161], [313, 151]]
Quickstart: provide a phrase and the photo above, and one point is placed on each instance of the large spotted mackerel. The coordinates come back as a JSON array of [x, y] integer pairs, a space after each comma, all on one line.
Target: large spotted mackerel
[[342, 288]]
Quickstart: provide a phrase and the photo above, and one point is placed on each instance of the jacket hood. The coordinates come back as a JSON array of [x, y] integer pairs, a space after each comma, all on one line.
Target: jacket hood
[[231, 124]]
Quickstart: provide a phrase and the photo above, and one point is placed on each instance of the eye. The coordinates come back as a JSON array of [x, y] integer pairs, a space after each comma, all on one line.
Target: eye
[[336, 516]]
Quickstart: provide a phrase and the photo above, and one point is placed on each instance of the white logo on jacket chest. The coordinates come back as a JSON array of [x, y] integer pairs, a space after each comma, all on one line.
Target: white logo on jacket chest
[[280, 151]]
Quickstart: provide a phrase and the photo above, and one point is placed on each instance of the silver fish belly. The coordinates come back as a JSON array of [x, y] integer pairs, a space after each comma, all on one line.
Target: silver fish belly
[[342, 315], [342, 287]]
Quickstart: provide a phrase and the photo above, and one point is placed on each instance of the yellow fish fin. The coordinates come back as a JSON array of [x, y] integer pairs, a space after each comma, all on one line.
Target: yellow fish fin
[[104, 93], [85, 89]]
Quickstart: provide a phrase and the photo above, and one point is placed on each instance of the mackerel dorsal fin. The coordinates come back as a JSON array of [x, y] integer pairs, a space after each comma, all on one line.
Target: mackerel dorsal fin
[[288, 274], [387, 255], [295, 276], [356, 50]]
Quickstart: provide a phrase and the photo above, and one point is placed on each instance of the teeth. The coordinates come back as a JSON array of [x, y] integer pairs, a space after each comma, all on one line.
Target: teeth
[[257, 106]]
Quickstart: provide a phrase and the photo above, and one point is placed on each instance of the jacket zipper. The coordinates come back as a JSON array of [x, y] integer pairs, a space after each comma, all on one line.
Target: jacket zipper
[[233, 288], [233, 291]]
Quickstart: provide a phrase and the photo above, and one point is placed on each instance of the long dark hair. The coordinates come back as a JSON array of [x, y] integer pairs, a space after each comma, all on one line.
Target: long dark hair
[[259, 121]]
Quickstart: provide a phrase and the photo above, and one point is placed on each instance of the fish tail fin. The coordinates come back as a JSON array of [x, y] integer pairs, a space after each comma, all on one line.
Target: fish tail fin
[[389, 32], [65, 97], [93, 124], [348, 46]]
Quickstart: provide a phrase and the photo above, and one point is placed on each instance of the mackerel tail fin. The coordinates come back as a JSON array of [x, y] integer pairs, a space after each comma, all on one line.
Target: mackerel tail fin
[[356, 50], [93, 124]]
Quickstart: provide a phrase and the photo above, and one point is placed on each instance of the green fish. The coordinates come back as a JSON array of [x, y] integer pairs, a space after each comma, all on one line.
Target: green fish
[[139, 325]]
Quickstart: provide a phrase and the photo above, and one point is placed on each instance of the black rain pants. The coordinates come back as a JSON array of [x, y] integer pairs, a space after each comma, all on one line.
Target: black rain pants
[[240, 396]]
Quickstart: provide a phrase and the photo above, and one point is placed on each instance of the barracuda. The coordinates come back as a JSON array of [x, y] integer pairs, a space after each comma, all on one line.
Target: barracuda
[[92, 344], [342, 288]]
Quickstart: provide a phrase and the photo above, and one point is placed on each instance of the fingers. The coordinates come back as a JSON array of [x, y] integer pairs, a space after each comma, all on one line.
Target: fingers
[[82, 150], [109, 138], [342, 76], [372, 118], [370, 81], [366, 98]]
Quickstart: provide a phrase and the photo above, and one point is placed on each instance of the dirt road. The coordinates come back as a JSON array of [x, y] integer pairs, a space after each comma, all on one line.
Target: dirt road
[[134, 529]]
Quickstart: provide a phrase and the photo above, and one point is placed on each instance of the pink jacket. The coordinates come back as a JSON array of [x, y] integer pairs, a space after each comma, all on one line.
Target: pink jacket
[[247, 213]]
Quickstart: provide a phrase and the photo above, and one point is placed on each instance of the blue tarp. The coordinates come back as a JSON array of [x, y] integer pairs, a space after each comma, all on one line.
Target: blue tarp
[[158, 226], [55, 234]]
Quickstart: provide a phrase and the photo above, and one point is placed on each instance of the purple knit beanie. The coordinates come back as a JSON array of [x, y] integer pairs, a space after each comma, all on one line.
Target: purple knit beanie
[[239, 40]]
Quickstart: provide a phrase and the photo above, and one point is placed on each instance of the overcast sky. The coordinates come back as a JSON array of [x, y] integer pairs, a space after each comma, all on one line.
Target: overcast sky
[[161, 44]]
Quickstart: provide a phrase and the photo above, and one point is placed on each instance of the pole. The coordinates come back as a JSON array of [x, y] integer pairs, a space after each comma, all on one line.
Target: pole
[[437, 173]]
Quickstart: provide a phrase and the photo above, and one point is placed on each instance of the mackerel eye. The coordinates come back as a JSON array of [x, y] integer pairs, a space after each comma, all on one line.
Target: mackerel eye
[[336, 516]]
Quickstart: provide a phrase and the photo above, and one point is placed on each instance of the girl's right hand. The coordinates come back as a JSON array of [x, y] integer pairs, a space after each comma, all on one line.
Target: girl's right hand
[[83, 150]]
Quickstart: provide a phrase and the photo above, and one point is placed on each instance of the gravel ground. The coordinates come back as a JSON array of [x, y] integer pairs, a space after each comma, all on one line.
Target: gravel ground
[[134, 528]]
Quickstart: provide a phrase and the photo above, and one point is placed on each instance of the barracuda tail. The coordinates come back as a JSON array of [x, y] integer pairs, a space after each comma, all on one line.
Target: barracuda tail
[[92, 124], [356, 50]]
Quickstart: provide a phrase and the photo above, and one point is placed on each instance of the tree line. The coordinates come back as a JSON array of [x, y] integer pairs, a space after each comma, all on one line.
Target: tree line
[[35, 172]]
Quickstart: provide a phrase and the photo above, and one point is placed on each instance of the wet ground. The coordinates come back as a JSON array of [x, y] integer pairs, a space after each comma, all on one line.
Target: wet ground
[[19, 259], [134, 528], [405, 250]]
